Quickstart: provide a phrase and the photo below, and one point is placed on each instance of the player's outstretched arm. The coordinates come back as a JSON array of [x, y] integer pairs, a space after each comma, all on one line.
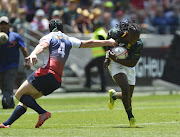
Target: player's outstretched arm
[[38, 49], [97, 43]]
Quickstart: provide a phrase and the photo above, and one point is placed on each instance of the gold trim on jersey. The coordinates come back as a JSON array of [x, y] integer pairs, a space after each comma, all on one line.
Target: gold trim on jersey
[[129, 45], [124, 34]]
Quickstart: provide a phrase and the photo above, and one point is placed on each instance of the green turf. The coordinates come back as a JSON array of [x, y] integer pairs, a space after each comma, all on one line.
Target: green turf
[[157, 116]]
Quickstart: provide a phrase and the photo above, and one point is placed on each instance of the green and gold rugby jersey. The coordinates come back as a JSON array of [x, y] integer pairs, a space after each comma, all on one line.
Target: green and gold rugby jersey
[[134, 51]]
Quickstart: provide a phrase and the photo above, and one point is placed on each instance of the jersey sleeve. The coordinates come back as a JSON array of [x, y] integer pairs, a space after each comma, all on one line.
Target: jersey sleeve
[[20, 41], [112, 33], [115, 34], [47, 38], [136, 54], [76, 43]]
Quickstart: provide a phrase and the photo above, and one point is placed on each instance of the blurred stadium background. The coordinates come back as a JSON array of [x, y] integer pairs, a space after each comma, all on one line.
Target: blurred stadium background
[[158, 68]]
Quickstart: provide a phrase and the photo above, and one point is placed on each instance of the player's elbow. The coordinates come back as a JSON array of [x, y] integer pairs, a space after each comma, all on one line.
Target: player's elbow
[[129, 64], [133, 64]]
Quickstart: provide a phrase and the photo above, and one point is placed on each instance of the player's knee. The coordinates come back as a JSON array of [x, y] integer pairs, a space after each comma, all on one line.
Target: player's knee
[[18, 95], [126, 94]]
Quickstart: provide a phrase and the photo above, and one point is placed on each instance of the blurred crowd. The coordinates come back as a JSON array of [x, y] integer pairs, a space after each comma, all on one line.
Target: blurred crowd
[[154, 16]]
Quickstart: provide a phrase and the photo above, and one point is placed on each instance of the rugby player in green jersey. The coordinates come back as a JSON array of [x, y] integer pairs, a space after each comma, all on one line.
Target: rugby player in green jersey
[[123, 70]]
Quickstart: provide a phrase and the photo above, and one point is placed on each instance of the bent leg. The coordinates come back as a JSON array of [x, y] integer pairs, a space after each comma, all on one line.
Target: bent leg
[[27, 92], [26, 89], [19, 111], [25, 95], [35, 96], [122, 81]]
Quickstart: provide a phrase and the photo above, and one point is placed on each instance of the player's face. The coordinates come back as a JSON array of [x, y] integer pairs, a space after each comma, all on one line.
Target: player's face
[[132, 39], [4, 27]]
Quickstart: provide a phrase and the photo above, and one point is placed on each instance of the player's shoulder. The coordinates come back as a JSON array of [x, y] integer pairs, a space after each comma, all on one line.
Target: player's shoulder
[[13, 33], [63, 34], [114, 33], [49, 35], [46, 38]]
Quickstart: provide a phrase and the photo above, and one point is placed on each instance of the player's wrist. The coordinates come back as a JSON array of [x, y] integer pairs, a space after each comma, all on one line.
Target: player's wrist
[[27, 61], [107, 54]]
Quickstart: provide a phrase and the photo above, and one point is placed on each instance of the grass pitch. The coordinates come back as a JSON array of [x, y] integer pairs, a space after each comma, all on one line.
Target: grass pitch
[[89, 116]]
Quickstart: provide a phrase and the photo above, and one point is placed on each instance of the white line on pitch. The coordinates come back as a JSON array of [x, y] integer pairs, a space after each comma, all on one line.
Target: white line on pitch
[[110, 125], [152, 123], [87, 110]]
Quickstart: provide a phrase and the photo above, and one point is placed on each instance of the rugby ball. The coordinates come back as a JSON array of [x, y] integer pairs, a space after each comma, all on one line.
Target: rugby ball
[[3, 38], [120, 52]]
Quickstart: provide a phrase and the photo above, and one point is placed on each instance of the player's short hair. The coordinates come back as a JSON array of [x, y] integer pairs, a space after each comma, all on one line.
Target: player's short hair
[[55, 24], [129, 27]]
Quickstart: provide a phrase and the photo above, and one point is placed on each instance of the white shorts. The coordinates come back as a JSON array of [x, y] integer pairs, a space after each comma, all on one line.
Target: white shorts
[[116, 68]]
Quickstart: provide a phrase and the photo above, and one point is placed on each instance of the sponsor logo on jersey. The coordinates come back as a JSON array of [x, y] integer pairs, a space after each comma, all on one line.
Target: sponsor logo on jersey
[[58, 37]]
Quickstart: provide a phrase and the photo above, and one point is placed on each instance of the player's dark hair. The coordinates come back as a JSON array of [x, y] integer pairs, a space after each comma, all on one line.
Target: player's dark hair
[[55, 24], [128, 27]]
